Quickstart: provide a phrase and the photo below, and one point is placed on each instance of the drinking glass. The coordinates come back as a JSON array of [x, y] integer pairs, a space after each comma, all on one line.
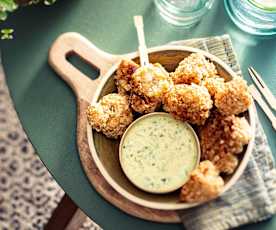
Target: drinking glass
[[185, 13], [253, 16]]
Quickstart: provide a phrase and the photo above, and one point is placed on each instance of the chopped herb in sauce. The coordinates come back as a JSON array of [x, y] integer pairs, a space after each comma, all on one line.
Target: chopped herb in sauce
[[164, 153]]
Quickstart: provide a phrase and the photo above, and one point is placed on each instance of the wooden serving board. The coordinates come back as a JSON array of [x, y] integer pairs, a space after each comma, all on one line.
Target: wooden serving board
[[84, 89]]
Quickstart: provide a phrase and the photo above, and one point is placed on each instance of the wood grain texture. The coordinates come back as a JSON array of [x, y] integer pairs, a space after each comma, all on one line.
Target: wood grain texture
[[62, 215], [84, 89], [98, 154], [74, 44]]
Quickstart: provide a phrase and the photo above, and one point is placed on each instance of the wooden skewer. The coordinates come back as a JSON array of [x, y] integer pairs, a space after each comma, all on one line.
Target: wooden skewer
[[257, 96], [143, 53]]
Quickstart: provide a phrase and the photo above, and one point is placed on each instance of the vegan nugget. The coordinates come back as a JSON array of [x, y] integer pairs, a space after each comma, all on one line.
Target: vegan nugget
[[204, 184], [233, 98], [193, 69], [111, 115], [191, 103], [221, 138], [123, 75], [149, 84]]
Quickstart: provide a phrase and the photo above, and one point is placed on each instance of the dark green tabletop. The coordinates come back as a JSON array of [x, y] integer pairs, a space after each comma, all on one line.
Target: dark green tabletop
[[46, 105]]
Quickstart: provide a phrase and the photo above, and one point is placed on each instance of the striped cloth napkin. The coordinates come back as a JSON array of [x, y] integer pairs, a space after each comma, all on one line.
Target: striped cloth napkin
[[253, 197]]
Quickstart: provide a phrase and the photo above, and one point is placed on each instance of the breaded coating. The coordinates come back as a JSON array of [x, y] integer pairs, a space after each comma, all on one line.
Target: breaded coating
[[221, 138], [123, 75], [143, 104], [152, 81], [243, 130], [149, 84], [213, 84], [111, 115], [234, 98], [193, 69], [189, 103], [226, 163], [204, 184]]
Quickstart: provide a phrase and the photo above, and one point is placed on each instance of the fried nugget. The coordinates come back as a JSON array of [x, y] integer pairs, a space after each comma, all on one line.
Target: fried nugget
[[123, 75], [142, 104], [213, 84], [193, 69], [221, 138], [226, 163], [204, 184], [152, 81], [191, 103], [111, 115], [233, 98], [149, 84]]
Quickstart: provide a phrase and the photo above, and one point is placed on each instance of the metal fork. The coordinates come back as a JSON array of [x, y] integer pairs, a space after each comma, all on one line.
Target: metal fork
[[262, 87], [266, 93], [258, 97]]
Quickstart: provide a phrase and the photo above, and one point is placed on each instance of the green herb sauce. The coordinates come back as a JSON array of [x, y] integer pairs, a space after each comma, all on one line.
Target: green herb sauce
[[158, 153]]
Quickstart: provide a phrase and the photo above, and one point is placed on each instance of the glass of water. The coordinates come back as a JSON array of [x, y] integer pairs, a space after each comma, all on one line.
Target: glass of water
[[185, 13], [253, 16]]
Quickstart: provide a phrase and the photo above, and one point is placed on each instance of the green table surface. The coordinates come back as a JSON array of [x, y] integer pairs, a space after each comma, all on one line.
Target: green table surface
[[46, 105]]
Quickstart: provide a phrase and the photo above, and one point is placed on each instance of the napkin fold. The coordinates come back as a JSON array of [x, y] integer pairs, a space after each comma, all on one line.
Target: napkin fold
[[253, 197]]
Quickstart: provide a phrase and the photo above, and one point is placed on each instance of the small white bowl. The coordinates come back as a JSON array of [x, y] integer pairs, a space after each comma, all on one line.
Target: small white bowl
[[123, 165]]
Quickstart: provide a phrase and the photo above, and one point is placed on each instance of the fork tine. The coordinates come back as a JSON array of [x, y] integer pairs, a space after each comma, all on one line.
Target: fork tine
[[257, 76], [258, 98], [262, 87]]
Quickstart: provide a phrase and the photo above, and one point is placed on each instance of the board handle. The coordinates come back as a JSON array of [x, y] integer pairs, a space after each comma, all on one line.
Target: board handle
[[74, 43]]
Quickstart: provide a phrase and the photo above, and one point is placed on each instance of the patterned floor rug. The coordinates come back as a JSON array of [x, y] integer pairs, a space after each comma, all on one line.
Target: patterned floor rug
[[28, 193]]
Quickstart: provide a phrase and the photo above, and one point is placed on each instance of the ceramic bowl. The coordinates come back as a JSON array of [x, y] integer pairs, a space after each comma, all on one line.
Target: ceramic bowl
[[105, 152], [123, 165]]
